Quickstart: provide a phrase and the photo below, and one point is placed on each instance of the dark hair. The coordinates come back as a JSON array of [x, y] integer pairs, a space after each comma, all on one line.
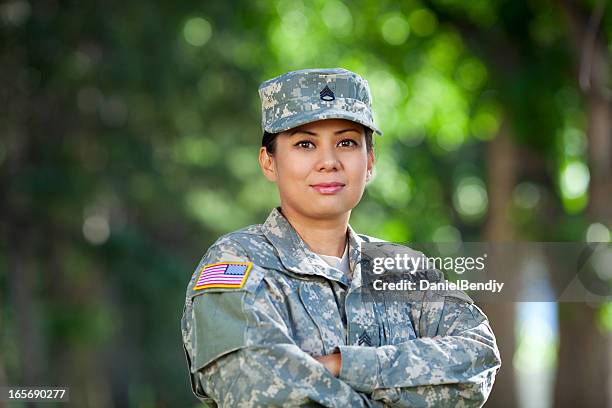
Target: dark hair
[[269, 140]]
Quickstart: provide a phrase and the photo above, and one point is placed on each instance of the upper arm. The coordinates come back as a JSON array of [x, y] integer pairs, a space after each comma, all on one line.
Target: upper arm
[[463, 318], [214, 321]]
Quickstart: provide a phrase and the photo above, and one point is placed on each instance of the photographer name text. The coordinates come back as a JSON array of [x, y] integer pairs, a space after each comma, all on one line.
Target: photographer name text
[[407, 285]]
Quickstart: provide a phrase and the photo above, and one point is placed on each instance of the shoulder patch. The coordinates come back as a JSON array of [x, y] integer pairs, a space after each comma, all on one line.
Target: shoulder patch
[[227, 275]]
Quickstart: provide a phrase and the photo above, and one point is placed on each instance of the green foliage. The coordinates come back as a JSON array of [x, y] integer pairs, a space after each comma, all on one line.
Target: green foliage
[[130, 139]]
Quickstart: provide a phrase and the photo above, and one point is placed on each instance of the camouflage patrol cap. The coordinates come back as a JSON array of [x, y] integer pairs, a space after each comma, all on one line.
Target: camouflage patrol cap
[[308, 95]]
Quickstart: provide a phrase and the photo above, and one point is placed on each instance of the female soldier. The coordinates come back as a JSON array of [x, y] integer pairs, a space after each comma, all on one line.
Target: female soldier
[[274, 313]]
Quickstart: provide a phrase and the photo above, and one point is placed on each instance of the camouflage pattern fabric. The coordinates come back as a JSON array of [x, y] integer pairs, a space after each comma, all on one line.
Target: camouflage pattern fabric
[[308, 95], [254, 346]]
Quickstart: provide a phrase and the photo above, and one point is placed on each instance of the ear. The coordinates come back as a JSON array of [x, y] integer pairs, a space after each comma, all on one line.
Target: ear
[[266, 162], [370, 165]]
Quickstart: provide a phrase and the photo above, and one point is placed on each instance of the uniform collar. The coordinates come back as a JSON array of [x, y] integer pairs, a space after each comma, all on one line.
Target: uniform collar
[[298, 258], [355, 242]]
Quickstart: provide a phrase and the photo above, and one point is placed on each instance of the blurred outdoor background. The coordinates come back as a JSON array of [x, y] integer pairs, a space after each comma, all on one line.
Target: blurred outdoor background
[[129, 134]]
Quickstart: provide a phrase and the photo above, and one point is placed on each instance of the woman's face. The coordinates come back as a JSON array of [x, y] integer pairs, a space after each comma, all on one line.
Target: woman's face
[[320, 168]]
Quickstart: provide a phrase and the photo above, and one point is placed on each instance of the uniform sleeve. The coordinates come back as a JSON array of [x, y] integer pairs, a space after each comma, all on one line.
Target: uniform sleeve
[[241, 353], [454, 366]]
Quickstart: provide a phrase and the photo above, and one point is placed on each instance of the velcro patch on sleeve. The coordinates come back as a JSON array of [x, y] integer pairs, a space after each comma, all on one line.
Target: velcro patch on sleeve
[[230, 275]]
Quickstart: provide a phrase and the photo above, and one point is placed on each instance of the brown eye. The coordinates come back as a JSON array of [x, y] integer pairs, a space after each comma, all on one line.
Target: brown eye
[[347, 143], [305, 144]]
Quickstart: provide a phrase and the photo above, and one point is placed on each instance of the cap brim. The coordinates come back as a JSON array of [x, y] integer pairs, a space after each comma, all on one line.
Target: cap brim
[[302, 118]]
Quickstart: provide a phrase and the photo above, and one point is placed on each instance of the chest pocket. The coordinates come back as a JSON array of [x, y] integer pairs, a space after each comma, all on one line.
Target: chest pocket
[[381, 319], [396, 316], [364, 325], [320, 305]]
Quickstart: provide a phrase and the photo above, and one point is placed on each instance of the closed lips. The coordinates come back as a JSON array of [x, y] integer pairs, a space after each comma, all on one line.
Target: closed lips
[[328, 185], [328, 188]]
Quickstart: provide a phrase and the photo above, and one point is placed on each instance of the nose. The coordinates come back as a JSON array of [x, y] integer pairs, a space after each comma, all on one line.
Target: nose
[[328, 160]]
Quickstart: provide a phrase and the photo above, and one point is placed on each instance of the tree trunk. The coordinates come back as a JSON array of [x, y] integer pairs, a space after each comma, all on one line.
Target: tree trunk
[[584, 365], [501, 172]]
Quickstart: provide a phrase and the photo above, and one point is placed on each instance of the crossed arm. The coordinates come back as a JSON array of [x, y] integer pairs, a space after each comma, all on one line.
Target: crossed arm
[[455, 367]]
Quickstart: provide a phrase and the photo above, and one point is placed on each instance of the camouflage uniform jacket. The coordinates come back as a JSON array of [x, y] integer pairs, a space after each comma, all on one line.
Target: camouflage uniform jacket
[[254, 346]]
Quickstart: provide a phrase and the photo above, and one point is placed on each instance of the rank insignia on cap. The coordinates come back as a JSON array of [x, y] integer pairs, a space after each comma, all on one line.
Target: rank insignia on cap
[[327, 94], [223, 275]]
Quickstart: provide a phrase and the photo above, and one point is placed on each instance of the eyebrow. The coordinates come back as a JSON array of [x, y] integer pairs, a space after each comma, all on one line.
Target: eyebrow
[[293, 132]]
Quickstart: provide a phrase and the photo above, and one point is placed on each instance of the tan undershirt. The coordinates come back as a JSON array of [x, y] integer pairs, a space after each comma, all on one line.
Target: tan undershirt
[[338, 263]]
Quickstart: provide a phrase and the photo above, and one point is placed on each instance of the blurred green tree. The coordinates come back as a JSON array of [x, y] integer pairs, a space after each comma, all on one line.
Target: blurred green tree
[[129, 144]]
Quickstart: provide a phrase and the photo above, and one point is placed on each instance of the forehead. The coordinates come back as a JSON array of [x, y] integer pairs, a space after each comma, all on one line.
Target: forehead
[[327, 125]]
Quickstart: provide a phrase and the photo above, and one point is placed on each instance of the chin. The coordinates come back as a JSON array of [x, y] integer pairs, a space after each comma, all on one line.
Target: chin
[[321, 207], [329, 209]]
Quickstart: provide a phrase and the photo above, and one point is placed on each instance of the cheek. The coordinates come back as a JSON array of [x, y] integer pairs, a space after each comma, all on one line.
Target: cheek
[[290, 170], [357, 169]]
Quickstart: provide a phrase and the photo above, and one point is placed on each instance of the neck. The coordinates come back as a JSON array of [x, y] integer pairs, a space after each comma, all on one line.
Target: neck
[[326, 236]]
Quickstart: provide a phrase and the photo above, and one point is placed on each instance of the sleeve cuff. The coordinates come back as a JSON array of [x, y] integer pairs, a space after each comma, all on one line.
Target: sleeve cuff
[[359, 367]]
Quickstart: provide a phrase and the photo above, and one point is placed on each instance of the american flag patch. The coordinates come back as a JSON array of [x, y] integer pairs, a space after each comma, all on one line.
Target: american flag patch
[[223, 275]]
